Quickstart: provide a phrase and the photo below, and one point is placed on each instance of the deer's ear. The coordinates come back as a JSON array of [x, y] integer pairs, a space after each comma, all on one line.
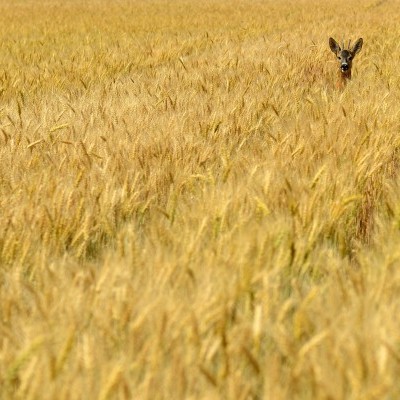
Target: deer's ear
[[357, 47], [334, 45]]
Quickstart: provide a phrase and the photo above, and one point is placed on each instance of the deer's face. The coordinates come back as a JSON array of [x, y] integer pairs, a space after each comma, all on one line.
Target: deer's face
[[345, 56], [345, 60]]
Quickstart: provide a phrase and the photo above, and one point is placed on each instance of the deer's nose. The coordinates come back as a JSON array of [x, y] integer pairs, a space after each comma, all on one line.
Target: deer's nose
[[344, 67]]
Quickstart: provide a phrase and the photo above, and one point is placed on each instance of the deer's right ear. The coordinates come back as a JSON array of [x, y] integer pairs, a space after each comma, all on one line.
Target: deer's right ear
[[334, 45], [357, 47]]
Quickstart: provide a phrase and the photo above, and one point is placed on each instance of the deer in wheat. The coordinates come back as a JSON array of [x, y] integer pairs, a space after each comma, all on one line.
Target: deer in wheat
[[345, 58]]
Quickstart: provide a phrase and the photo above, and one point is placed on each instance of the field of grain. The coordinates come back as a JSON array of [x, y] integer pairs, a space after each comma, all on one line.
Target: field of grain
[[190, 208]]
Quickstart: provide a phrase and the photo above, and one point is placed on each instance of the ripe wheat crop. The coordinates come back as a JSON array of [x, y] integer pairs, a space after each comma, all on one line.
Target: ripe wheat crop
[[190, 208]]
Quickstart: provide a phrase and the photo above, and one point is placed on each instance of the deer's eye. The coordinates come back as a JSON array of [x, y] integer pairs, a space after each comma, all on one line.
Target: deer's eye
[[350, 57], [339, 58]]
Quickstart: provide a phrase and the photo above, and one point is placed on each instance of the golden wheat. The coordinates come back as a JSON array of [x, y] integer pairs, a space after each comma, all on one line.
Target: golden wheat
[[190, 209]]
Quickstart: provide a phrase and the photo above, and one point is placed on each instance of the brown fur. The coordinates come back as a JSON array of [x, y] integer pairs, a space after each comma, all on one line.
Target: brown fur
[[345, 58], [344, 77]]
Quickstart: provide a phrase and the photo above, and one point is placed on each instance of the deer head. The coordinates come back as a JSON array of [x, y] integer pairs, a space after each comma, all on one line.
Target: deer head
[[345, 56]]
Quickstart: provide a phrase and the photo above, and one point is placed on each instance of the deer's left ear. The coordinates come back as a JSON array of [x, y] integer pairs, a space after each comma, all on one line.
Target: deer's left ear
[[357, 47], [334, 45]]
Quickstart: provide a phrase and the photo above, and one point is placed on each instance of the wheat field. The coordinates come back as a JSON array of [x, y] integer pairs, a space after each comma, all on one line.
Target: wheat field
[[190, 208]]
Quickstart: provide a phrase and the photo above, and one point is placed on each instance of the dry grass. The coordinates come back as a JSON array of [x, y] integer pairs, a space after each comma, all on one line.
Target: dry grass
[[189, 207]]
